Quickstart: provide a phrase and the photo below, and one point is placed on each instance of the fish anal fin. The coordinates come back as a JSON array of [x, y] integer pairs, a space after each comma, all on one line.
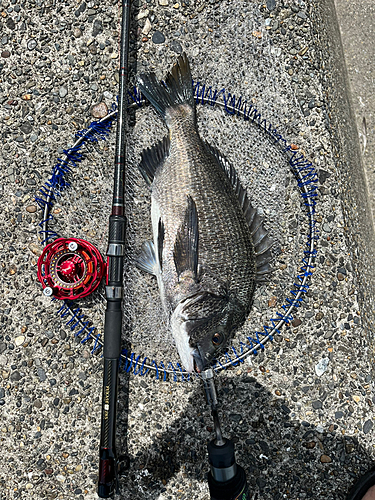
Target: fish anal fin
[[152, 158], [146, 260], [185, 251]]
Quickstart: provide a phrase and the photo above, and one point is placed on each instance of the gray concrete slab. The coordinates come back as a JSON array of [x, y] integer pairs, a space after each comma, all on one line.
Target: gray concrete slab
[[299, 432], [357, 29]]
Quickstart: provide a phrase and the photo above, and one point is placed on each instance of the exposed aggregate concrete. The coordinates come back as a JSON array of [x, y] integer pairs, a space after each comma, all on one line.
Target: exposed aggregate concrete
[[301, 412]]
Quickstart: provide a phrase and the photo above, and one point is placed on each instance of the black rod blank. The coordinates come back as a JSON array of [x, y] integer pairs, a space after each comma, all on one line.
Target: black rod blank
[[108, 460]]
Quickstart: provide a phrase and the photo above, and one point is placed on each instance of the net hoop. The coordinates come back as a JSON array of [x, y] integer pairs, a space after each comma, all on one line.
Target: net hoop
[[307, 179]]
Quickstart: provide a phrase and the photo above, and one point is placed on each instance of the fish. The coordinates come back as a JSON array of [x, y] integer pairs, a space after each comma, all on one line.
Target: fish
[[209, 246]]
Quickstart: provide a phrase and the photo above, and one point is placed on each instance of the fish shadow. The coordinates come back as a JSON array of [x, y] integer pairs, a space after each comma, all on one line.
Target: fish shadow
[[283, 457]]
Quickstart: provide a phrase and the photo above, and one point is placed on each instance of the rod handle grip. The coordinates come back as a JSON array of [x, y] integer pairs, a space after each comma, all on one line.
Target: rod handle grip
[[107, 474], [112, 330]]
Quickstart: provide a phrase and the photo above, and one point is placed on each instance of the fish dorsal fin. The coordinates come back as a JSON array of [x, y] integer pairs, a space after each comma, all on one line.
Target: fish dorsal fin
[[185, 251], [261, 241], [152, 158], [146, 260], [232, 176]]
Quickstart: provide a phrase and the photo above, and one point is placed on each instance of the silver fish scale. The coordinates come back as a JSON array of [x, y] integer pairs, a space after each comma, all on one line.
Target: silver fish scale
[[226, 261]]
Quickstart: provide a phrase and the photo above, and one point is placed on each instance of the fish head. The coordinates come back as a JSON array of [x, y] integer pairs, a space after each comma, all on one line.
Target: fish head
[[211, 340], [202, 327]]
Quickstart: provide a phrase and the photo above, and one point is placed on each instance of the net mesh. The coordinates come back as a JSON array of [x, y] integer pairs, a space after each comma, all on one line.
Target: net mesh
[[83, 211]]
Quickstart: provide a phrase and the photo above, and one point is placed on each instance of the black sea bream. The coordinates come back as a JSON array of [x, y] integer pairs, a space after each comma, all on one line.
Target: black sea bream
[[209, 246]]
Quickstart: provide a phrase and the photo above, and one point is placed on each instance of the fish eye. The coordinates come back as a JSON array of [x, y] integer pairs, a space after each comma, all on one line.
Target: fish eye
[[217, 339]]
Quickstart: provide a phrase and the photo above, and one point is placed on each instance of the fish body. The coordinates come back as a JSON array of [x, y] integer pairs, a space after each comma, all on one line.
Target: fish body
[[203, 251]]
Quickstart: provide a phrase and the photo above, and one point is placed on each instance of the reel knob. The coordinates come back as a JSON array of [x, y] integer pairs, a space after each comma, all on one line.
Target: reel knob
[[70, 268], [48, 292]]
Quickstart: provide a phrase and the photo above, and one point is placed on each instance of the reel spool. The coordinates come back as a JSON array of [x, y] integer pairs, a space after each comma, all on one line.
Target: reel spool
[[70, 268]]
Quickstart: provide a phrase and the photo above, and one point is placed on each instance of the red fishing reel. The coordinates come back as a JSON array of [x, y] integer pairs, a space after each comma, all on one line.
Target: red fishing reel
[[70, 268]]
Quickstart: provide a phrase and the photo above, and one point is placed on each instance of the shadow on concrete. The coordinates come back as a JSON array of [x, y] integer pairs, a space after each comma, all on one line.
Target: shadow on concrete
[[282, 456]]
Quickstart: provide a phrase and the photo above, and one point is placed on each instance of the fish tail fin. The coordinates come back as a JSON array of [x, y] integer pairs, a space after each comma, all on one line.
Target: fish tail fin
[[177, 88]]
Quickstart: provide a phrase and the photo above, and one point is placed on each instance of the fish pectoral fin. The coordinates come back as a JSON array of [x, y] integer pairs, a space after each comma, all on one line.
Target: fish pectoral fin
[[161, 232], [152, 158], [185, 251], [146, 261]]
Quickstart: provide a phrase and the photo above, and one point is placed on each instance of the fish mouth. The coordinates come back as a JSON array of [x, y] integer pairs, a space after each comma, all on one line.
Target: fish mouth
[[198, 362]]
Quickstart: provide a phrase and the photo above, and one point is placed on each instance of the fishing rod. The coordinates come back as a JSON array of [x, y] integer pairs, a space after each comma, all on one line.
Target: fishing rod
[[226, 479], [109, 462]]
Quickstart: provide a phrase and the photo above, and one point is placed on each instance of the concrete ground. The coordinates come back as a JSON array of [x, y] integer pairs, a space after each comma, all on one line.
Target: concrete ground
[[301, 412], [357, 28]]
